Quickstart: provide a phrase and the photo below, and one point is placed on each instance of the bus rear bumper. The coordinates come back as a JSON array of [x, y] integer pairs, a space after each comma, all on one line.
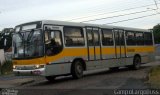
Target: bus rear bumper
[[36, 72]]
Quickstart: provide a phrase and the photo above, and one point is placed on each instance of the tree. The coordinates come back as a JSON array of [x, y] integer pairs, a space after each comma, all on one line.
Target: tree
[[156, 32], [6, 38]]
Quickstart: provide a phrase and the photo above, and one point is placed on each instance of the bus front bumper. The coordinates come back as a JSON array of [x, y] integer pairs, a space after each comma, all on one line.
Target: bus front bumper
[[34, 72]]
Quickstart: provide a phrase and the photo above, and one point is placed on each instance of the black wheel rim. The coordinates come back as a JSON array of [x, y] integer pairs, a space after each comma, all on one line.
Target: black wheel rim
[[137, 63], [79, 69]]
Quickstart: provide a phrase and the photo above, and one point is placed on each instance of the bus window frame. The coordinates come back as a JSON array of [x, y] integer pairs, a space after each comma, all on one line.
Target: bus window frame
[[147, 40], [126, 38], [83, 36], [102, 36], [142, 38], [61, 38]]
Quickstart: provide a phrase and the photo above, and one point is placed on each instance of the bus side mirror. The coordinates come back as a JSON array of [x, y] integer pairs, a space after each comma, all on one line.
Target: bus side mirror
[[45, 28]]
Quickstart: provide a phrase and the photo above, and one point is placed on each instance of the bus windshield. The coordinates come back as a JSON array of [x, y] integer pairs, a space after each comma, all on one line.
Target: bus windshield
[[28, 44]]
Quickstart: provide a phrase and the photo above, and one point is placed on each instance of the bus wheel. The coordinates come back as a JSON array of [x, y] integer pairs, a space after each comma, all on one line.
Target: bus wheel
[[50, 78], [77, 69], [136, 62]]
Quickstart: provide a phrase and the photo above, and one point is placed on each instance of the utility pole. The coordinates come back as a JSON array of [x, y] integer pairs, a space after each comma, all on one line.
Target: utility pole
[[156, 4]]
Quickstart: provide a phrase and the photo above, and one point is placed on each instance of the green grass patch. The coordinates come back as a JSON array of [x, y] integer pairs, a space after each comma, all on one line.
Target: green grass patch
[[154, 77], [6, 68]]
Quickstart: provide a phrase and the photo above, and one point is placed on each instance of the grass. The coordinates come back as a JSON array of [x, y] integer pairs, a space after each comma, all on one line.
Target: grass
[[6, 68], [154, 77]]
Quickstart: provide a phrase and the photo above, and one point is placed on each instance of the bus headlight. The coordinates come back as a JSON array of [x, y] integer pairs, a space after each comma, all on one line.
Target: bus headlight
[[14, 67], [37, 66]]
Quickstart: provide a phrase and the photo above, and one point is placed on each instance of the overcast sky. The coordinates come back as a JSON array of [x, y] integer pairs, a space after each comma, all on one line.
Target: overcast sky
[[14, 12]]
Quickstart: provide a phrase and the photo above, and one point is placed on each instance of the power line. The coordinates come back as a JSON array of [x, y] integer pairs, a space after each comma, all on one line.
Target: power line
[[113, 12], [119, 15], [133, 18], [92, 9], [155, 3]]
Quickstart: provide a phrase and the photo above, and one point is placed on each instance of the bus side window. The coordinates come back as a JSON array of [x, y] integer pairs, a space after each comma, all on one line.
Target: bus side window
[[73, 36], [107, 37], [148, 38], [139, 38], [130, 38], [53, 42], [96, 37], [90, 38]]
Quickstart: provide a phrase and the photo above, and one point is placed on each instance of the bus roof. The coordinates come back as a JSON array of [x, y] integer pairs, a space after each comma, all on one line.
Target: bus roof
[[65, 23]]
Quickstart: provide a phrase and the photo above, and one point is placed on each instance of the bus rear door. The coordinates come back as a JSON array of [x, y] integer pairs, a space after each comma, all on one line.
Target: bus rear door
[[93, 43], [120, 45]]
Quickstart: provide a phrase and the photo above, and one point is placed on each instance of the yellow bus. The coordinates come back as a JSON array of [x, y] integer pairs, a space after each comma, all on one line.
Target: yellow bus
[[57, 48]]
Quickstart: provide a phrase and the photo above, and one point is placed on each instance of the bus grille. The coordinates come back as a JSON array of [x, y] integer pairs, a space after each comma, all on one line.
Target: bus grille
[[25, 67]]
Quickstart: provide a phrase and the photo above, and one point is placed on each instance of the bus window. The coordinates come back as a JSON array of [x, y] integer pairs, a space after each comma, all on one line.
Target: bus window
[[122, 42], [53, 42], [117, 38], [74, 36], [90, 38], [148, 38], [107, 37], [130, 38], [139, 38], [96, 38]]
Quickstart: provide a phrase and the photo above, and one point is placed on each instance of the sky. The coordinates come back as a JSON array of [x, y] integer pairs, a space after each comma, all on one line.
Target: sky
[[14, 12]]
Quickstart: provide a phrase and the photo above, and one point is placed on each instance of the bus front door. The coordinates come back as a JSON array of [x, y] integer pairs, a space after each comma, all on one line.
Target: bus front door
[[120, 45]]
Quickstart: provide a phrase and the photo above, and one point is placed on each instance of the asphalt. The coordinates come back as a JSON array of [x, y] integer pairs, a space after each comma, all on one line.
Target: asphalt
[[93, 83], [8, 81], [11, 81], [98, 82]]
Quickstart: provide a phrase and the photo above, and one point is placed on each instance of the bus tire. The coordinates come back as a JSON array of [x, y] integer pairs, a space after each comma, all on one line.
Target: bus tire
[[136, 63], [77, 69], [50, 78]]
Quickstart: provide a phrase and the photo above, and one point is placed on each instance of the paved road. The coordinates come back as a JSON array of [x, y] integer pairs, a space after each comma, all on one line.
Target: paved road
[[93, 83], [99, 83]]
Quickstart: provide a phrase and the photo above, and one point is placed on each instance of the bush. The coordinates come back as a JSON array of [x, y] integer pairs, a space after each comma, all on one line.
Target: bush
[[6, 68], [156, 32], [154, 77]]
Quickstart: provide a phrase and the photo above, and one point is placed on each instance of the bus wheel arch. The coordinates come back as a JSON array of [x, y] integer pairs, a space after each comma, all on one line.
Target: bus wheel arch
[[77, 67]]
